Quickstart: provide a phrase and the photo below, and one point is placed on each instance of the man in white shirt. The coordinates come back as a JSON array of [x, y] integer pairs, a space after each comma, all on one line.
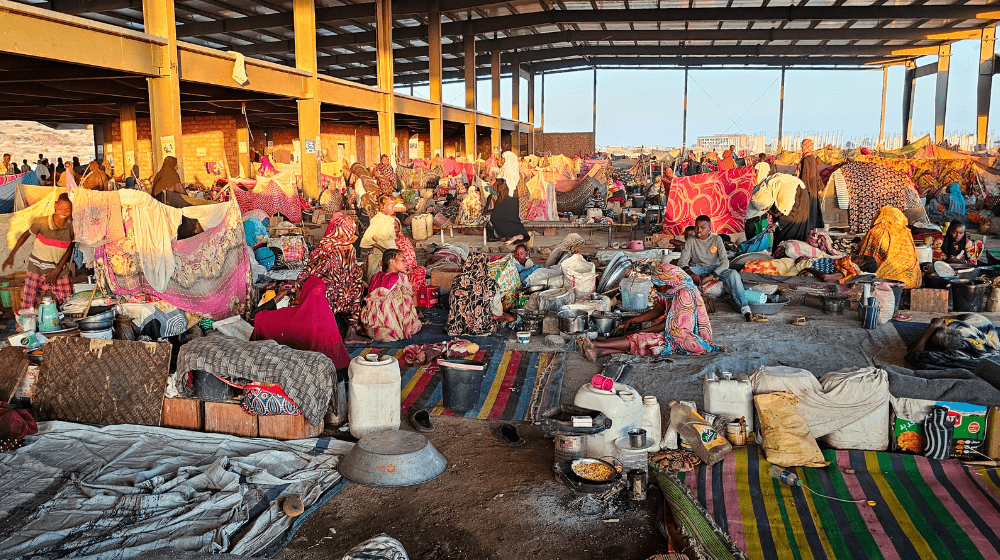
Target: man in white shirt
[[762, 168]]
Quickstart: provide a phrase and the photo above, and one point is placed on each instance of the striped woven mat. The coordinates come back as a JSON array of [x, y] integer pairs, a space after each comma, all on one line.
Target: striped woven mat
[[516, 386], [923, 508]]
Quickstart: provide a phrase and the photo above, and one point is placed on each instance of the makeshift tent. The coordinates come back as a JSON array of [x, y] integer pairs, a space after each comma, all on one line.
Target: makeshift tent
[[867, 188], [274, 197], [722, 196], [933, 176]]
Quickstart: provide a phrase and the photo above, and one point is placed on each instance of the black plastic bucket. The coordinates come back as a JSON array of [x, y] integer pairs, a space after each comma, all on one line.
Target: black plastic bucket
[[970, 295], [462, 381], [208, 387]]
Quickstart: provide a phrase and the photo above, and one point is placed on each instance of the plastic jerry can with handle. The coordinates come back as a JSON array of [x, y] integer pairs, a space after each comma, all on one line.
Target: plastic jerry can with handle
[[373, 394], [729, 397]]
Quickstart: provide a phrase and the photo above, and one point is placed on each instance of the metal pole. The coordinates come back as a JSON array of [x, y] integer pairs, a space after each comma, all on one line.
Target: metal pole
[[542, 112], [881, 124], [595, 109], [781, 108], [684, 129]]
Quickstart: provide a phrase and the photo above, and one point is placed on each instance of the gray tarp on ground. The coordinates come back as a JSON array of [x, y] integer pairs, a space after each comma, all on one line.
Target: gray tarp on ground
[[952, 385], [114, 492]]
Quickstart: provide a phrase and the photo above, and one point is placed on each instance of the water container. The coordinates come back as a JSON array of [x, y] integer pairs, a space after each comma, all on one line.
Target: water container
[[461, 382], [48, 315], [635, 293], [651, 420], [374, 394], [729, 397], [422, 226], [710, 446], [622, 404]]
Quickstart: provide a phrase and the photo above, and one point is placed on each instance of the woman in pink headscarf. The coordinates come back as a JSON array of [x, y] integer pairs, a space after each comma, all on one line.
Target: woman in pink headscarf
[[727, 162], [809, 173]]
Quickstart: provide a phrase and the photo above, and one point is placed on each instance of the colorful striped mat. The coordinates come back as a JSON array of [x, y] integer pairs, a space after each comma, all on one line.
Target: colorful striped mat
[[517, 384], [923, 508]]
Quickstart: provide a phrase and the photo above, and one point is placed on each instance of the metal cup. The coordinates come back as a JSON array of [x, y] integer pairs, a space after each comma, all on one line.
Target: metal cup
[[637, 437]]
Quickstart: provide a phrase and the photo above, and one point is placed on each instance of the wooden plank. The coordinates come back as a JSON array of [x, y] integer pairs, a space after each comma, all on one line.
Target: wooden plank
[[929, 300], [285, 426], [229, 418], [183, 414]]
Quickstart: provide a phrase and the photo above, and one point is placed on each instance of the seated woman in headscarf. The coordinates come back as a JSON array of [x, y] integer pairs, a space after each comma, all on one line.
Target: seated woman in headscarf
[[381, 234], [167, 180], [389, 313], [385, 176], [680, 323], [891, 243], [727, 162], [335, 262], [958, 341], [505, 218], [256, 236], [472, 207], [476, 300], [94, 179]]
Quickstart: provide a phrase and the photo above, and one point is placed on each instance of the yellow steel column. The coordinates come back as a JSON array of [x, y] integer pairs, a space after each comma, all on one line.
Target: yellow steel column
[[304, 12], [531, 110], [130, 137], [515, 89], [470, 141], [495, 139], [495, 74], [165, 89], [386, 114], [469, 39], [434, 60], [984, 86], [909, 84], [243, 148], [941, 92]]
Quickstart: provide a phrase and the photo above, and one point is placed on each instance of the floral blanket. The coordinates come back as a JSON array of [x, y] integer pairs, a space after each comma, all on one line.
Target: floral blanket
[[211, 274], [722, 196]]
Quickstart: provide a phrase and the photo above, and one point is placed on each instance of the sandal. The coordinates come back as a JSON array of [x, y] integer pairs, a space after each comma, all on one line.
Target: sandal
[[901, 317], [799, 321], [759, 318], [587, 349]]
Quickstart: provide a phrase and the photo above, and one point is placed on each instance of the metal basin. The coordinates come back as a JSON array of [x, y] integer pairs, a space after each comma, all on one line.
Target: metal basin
[[98, 319], [393, 458]]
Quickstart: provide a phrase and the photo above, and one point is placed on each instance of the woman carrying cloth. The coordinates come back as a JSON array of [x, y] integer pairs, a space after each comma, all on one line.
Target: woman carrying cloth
[[389, 313], [891, 243]]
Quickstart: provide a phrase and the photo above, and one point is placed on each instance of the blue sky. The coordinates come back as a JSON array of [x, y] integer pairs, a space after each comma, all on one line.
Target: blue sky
[[644, 107]]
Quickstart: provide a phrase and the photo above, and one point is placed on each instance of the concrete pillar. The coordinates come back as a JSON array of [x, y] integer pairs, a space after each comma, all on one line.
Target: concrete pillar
[[469, 40], [245, 168], [434, 61], [984, 87], [495, 74], [909, 84], [304, 12], [387, 111], [164, 90], [941, 91], [130, 137]]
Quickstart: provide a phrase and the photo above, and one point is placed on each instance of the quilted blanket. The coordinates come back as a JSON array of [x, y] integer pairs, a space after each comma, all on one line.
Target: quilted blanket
[[722, 196]]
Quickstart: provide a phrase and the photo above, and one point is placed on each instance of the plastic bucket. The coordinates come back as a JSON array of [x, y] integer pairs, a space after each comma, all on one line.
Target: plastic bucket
[[462, 380], [970, 295]]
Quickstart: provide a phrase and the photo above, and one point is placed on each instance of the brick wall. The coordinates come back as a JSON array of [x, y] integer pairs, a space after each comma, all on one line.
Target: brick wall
[[566, 143], [211, 138]]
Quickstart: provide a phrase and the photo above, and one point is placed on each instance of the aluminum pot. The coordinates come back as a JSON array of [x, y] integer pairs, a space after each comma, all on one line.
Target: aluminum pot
[[572, 321], [605, 321], [97, 322]]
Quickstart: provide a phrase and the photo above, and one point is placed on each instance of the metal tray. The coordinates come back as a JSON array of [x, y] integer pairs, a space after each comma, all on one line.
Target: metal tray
[[393, 458]]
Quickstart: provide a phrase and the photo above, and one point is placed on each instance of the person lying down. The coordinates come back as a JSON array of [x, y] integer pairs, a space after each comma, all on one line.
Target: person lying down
[[825, 269]]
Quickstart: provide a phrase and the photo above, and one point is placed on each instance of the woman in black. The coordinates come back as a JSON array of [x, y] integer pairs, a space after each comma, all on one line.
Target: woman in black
[[505, 219]]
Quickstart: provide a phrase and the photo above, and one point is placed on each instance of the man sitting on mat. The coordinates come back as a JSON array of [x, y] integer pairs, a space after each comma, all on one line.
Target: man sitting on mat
[[704, 258]]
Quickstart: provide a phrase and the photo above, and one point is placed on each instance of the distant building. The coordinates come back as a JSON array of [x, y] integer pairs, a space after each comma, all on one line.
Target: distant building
[[745, 143]]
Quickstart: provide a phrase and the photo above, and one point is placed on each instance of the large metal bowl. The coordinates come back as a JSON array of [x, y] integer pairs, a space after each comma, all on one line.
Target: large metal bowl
[[100, 321], [393, 458], [613, 274]]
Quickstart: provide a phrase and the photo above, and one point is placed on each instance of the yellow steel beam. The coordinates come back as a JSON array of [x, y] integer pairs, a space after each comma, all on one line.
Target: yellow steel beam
[[458, 115], [435, 62], [984, 85], [941, 91], [164, 90], [487, 121], [243, 148], [348, 94], [495, 77], [210, 66], [415, 107], [469, 42], [50, 35]]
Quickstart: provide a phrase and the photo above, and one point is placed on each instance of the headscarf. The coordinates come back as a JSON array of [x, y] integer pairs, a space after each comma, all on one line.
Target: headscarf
[[510, 172], [808, 146], [385, 175], [167, 177], [95, 179], [335, 261], [956, 203], [890, 242], [687, 330], [471, 299]]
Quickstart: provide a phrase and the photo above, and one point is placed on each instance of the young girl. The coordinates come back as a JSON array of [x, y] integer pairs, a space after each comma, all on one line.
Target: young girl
[[389, 313]]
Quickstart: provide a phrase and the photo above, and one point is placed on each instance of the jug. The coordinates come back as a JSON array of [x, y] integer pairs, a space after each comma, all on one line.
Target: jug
[[48, 315]]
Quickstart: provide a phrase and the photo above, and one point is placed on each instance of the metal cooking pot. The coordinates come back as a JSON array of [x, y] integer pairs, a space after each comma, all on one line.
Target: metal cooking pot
[[535, 289], [572, 321], [605, 321], [97, 322]]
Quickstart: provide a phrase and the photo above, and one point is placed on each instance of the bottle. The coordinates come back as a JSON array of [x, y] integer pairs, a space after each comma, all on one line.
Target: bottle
[[651, 420], [705, 441], [669, 438], [788, 477]]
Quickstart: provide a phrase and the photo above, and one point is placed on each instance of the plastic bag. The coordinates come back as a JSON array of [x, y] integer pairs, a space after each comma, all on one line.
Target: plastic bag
[[580, 274]]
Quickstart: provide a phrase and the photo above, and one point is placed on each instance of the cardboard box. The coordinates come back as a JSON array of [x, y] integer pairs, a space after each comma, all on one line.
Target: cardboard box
[[444, 277], [229, 418], [929, 300], [967, 442], [285, 426]]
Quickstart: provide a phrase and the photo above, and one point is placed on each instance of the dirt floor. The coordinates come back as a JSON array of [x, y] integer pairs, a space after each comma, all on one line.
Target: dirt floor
[[500, 502]]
